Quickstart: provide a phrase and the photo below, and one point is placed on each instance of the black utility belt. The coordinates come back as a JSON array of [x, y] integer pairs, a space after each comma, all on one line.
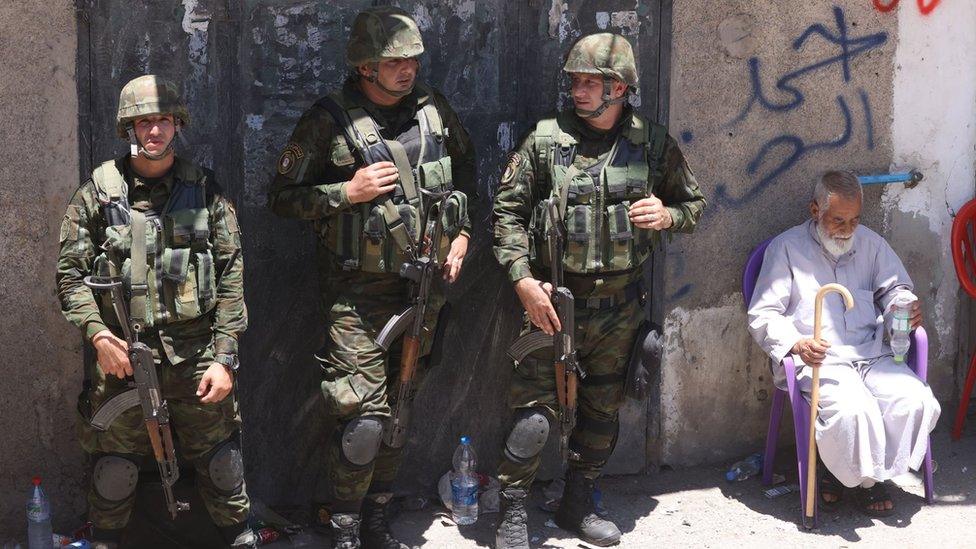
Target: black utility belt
[[632, 291]]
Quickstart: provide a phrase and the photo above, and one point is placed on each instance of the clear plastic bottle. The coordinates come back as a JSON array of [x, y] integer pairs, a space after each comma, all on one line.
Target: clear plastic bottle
[[901, 326], [749, 467], [39, 534], [464, 484]]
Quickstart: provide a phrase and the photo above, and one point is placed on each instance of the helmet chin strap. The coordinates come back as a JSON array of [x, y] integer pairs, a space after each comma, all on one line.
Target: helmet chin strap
[[136, 148], [607, 101]]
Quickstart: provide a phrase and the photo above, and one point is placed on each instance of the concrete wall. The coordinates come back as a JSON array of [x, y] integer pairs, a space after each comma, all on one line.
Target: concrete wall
[[765, 97], [40, 361]]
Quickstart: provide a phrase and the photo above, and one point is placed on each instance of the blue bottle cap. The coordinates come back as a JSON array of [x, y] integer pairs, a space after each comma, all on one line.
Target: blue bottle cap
[[465, 440]]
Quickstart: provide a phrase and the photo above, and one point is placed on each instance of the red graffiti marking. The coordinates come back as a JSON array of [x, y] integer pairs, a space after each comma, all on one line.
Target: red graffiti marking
[[925, 8]]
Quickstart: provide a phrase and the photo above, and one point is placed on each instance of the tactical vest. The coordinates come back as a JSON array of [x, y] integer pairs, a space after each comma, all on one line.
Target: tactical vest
[[376, 236], [594, 201], [169, 274]]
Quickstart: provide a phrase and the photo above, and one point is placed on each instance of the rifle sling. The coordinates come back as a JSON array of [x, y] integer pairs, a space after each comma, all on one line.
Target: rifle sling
[[139, 285]]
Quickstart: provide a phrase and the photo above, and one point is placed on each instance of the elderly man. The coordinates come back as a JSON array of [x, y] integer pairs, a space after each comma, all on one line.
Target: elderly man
[[875, 413]]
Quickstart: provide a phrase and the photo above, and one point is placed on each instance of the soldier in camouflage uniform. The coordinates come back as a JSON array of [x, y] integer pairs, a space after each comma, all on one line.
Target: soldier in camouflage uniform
[[355, 165], [619, 181], [192, 306]]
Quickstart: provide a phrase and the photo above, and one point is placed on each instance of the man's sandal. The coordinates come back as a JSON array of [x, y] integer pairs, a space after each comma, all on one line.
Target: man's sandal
[[866, 497], [830, 485]]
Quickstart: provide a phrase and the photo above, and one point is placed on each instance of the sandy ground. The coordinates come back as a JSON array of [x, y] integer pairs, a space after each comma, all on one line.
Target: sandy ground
[[697, 508]]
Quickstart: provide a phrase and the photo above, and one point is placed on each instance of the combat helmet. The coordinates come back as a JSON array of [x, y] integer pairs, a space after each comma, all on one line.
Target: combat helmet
[[383, 32], [609, 55], [145, 96]]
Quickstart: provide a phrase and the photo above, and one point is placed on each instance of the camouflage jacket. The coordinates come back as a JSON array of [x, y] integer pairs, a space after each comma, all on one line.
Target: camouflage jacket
[[523, 186], [82, 237], [319, 190]]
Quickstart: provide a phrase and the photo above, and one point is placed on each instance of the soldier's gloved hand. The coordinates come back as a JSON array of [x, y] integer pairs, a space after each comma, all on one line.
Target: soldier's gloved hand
[[811, 351], [372, 181], [650, 213], [215, 384], [534, 295], [452, 265], [113, 354]]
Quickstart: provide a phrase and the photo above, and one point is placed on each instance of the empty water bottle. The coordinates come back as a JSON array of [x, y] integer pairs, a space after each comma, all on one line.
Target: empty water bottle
[[749, 467], [901, 325], [464, 484], [39, 534]]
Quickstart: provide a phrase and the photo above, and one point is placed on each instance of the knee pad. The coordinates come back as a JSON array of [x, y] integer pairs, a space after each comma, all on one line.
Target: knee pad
[[361, 439], [115, 477], [528, 436], [226, 467]]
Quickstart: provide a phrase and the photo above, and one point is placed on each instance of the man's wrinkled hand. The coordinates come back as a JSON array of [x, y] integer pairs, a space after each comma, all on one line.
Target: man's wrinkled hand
[[113, 354], [535, 297], [650, 213], [452, 264], [372, 181], [215, 384], [811, 351], [916, 318]]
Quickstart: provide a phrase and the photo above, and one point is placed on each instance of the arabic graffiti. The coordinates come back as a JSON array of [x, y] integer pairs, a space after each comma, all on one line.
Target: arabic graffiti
[[791, 147]]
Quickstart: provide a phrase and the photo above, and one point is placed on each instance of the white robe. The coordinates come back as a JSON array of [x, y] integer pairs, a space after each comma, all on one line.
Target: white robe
[[875, 414]]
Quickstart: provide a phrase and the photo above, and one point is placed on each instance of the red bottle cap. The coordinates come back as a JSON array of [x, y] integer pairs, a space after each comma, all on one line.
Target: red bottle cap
[[36, 481]]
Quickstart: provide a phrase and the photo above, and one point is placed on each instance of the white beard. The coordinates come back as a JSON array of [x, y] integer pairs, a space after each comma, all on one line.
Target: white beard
[[836, 247]]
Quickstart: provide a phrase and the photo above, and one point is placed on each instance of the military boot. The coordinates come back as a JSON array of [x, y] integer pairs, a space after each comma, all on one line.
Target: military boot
[[345, 531], [376, 528], [576, 513], [512, 531]]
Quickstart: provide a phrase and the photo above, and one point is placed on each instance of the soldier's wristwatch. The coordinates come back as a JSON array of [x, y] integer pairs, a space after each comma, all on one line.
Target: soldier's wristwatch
[[229, 361]]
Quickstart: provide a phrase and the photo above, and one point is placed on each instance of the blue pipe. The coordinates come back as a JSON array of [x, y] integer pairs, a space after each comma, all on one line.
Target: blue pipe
[[912, 177]]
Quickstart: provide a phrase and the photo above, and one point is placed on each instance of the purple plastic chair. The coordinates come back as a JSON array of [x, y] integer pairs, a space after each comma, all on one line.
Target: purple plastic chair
[[917, 360]]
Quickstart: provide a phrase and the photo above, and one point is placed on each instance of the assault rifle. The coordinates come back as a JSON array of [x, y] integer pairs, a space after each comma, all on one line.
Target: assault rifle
[[421, 270], [143, 390], [563, 343]]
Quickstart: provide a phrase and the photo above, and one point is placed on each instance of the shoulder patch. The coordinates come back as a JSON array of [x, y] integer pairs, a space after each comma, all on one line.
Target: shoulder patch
[[290, 158], [514, 162]]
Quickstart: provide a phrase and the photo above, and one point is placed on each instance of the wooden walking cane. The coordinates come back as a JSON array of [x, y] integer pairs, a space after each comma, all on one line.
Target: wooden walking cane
[[815, 398]]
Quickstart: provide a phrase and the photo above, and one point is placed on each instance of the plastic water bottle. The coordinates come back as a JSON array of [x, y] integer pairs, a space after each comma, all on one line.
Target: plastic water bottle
[[464, 484], [749, 467], [901, 325], [39, 534]]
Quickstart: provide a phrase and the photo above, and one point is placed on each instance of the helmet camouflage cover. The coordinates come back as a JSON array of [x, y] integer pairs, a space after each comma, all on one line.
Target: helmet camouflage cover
[[148, 95], [383, 31], [604, 53]]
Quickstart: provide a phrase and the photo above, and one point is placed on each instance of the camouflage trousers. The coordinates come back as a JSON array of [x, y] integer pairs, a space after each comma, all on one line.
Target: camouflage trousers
[[360, 379], [199, 429], [604, 340]]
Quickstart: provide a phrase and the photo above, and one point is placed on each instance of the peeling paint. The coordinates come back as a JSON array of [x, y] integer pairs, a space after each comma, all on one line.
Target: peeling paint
[[506, 141], [465, 9], [254, 121], [558, 21], [626, 21], [194, 22], [422, 16]]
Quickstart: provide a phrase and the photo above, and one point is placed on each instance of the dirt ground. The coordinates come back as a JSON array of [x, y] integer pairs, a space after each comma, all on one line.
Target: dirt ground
[[697, 508]]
